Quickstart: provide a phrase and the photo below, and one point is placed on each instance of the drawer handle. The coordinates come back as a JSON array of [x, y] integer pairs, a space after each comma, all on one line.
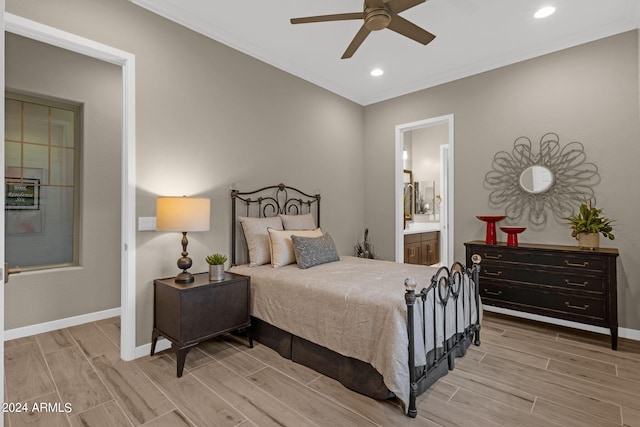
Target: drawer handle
[[584, 307], [487, 256], [583, 284], [488, 292], [489, 273], [570, 264]]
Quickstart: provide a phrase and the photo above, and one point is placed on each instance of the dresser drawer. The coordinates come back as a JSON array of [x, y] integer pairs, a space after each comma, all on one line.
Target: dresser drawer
[[547, 302], [566, 279], [575, 260]]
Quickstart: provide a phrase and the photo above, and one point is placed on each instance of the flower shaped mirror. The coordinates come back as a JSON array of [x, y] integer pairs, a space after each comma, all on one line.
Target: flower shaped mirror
[[553, 179]]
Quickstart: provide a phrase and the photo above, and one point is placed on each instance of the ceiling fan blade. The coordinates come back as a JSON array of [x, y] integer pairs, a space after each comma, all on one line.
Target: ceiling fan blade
[[397, 6], [356, 42], [409, 29], [325, 18]]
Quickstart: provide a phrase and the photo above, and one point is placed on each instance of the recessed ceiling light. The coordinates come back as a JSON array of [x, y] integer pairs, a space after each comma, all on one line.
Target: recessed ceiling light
[[544, 12], [377, 72]]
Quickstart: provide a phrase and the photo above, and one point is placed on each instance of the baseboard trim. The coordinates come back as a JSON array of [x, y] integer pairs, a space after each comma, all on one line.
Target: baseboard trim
[[40, 328], [145, 350], [632, 334]]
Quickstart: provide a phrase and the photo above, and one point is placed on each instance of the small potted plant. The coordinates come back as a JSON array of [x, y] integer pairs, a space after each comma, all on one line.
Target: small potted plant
[[587, 225], [216, 266]]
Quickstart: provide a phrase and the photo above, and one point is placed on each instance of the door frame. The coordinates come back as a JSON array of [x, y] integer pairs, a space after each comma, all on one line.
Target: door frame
[[2, 189], [55, 37], [446, 222]]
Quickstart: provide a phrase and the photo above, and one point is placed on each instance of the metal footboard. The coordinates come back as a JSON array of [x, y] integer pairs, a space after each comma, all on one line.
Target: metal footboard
[[447, 288]]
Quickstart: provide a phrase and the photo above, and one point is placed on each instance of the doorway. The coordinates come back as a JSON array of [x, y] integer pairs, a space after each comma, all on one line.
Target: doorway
[[126, 61], [446, 185]]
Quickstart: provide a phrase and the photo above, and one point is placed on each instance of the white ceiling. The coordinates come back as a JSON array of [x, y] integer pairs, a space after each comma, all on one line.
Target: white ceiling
[[472, 36]]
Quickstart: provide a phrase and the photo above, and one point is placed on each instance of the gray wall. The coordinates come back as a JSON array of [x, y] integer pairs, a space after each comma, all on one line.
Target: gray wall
[[208, 116], [588, 93], [39, 296]]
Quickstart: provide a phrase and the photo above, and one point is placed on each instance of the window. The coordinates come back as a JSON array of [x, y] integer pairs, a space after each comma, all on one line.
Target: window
[[42, 173]]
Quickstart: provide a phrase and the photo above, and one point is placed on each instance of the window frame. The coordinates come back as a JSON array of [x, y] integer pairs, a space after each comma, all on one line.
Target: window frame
[[78, 116]]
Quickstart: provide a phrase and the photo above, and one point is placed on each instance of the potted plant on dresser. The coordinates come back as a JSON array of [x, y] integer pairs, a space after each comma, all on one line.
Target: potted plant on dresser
[[587, 225], [216, 266]]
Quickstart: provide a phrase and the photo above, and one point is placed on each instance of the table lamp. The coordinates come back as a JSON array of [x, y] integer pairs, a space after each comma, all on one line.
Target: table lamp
[[183, 214]]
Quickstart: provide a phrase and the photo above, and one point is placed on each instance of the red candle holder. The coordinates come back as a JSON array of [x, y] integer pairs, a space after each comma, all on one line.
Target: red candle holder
[[512, 234], [491, 220]]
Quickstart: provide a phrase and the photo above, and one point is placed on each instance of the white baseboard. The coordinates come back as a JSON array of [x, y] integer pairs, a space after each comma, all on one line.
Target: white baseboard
[[145, 350], [632, 334], [41, 328]]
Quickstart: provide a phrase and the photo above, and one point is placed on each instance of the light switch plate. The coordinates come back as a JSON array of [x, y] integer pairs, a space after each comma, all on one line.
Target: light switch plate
[[147, 223]]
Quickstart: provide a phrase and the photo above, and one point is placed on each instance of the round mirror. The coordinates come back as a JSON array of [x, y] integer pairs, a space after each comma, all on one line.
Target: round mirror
[[536, 179]]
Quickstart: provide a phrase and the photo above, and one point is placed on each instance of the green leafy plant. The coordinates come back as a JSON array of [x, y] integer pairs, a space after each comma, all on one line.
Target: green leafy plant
[[216, 259], [588, 220]]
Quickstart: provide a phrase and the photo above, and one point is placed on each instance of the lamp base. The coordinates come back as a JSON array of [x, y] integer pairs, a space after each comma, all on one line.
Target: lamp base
[[184, 277], [184, 263]]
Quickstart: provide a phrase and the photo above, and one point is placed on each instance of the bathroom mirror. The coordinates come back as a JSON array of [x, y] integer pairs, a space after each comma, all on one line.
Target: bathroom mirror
[[530, 183], [408, 195], [536, 179], [425, 197]]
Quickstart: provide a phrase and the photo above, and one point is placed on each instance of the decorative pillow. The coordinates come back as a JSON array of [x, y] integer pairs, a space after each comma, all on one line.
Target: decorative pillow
[[282, 247], [311, 251], [298, 222], [255, 232]]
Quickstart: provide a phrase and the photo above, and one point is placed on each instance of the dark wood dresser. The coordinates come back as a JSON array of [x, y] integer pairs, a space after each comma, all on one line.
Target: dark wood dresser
[[563, 282]]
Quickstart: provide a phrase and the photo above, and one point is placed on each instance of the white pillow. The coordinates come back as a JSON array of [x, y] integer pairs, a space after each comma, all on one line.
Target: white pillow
[[282, 245], [298, 222], [255, 232]]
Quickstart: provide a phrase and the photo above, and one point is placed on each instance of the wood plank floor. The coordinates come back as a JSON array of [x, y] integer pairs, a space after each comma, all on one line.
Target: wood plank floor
[[524, 373]]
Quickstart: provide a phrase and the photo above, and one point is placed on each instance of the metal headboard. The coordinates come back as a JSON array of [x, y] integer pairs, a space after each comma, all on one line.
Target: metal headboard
[[269, 201]]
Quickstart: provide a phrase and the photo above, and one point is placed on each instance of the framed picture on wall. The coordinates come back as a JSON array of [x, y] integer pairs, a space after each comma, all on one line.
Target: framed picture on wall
[[22, 194], [24, 212]]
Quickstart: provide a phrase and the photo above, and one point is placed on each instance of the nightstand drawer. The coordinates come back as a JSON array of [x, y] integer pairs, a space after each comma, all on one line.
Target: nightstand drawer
[[223, 308], [194, 313]]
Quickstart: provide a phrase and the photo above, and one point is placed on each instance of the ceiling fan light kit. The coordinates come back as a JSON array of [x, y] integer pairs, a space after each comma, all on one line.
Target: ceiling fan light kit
[[377, 19], [377, 15]]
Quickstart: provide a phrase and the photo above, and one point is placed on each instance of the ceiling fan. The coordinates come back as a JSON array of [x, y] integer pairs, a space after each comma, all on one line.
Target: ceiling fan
[[377, 15]]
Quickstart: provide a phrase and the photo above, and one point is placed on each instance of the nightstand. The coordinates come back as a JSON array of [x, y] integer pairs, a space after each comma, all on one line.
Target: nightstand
[[188, 313]]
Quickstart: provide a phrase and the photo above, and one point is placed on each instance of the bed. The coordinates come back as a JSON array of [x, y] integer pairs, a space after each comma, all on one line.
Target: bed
[[381, 328]]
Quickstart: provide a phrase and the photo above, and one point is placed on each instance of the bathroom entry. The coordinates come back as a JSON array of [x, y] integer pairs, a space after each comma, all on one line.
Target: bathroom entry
[[423, 148]]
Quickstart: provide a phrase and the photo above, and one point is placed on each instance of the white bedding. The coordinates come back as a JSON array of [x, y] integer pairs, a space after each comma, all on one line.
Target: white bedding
[[354, 307]]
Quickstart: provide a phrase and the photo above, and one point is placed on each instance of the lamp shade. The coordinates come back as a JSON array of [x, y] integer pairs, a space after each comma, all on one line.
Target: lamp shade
[[182, 214]]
